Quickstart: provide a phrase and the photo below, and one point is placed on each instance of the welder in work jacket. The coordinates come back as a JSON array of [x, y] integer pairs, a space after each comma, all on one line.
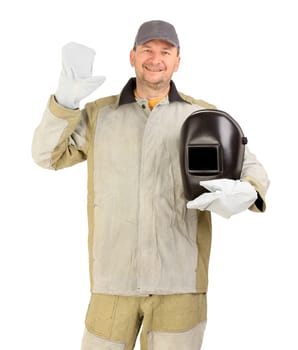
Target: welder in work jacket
[[142, 238]]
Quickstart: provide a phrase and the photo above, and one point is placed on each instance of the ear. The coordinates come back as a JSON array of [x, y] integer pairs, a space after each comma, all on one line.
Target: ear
[[177, 64], [132, 57]]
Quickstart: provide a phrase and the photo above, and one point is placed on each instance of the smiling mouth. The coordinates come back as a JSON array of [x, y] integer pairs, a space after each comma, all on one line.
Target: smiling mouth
[[153, 69]]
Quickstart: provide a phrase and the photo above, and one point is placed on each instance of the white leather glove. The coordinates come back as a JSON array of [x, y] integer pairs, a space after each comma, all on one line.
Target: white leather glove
[[226, 197], [76, 80]]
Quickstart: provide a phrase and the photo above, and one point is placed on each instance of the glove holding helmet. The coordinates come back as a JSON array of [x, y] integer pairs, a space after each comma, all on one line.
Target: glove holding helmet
[[211, 156], [76, 81], [226, 197]]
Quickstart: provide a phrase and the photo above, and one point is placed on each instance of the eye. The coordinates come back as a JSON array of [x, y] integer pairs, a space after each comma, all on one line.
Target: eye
[[165, 53]]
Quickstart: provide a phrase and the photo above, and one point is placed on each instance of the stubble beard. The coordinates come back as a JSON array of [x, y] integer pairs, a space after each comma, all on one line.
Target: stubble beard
[[158, 85]]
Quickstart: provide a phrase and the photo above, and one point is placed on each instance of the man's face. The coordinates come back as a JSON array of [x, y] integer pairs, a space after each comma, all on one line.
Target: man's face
[[155, 62]]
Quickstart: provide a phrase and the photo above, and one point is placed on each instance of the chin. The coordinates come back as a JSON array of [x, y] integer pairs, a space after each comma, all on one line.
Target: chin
[[154, 80]]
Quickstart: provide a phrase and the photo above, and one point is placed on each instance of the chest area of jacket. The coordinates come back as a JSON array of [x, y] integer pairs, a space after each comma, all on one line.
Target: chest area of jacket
[[127, 133]]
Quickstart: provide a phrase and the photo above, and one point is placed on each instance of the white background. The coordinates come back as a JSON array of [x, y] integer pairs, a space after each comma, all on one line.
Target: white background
[[240, 56]]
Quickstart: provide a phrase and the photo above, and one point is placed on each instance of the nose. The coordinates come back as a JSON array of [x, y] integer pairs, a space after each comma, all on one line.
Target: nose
[[156, 57]]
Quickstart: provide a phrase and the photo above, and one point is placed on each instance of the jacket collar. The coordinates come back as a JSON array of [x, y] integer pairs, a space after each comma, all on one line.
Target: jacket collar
[[127, 93]]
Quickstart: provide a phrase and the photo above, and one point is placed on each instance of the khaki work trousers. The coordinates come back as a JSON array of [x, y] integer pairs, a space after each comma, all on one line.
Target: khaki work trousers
[[169, 322]]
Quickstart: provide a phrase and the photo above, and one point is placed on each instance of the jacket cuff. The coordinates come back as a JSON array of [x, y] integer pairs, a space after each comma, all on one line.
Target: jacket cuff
[[62, 112], [260, 204]]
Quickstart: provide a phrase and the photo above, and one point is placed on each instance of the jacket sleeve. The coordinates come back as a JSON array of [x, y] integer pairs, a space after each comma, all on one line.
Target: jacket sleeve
[[60, 139], [255, 174]]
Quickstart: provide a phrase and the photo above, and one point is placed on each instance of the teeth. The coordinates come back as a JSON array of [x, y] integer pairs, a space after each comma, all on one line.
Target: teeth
[[152, 69]]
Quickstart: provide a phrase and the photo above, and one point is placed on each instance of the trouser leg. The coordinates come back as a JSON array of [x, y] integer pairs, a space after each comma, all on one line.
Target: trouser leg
[[187, 340], [112, 323], [93, 342], [174, 322]]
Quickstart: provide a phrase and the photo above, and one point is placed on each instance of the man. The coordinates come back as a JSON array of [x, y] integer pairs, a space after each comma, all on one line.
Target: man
[[148, 252]]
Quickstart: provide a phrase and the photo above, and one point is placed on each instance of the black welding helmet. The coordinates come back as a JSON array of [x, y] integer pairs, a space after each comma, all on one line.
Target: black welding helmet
[[211, 147]]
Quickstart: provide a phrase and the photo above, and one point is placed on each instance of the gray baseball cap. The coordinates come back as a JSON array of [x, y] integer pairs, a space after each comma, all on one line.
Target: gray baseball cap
[[157, 30]]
